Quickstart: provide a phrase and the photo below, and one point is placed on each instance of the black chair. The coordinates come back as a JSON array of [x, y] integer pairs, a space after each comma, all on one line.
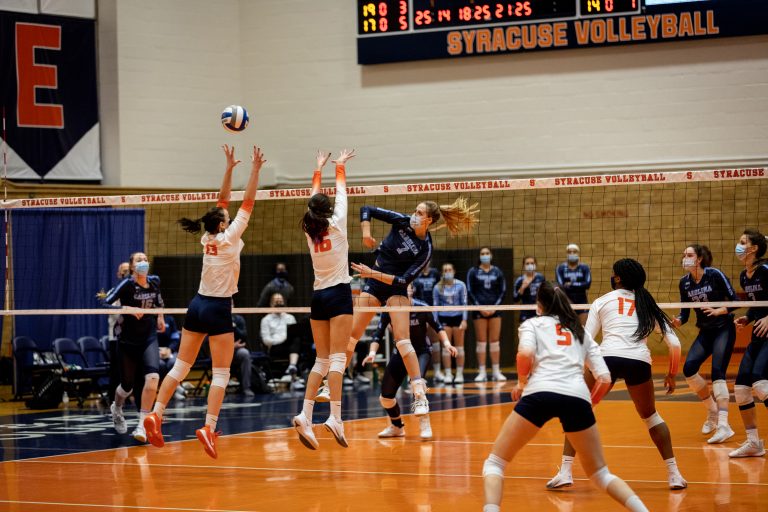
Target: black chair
[[79, 379], [93, 350], [28, 362], [104, 341]]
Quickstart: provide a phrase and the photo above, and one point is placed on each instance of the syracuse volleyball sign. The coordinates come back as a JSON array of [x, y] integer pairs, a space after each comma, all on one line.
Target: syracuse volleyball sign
[[49, 102]]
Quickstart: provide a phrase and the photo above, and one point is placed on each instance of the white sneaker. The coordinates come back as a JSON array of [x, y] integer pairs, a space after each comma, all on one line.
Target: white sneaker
[[420, 406], [481, 377], [362, 379], [438, 376], [499, 377], [139, 434], [304, 428], [560, 480], [323, 394], [710, 425], [392, 431], [459, 378], [336, 427], [447, 377], [347, 381], [297, 385], [723, 433], [425, 428], [118, 420], [749, 449], [676, 481]]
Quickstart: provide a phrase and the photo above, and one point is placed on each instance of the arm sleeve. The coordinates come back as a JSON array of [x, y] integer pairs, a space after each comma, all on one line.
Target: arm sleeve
[[435, 300], [116, 293], [685, 313], [592, 327], [372, 212], [470, 278], [588, 277], [463, 301], [586, 282], [340, 206], [527, 337], [236, 229], [415, 269], [503, 291], [594, 359], [516, 289], [728, 290], [384, 321], [559, 274], [317, 180]]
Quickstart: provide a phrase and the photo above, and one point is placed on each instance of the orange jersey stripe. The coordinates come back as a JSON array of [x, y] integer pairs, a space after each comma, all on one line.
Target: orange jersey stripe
[[222, 204], [317, 179], [341, 175], [247, 205]]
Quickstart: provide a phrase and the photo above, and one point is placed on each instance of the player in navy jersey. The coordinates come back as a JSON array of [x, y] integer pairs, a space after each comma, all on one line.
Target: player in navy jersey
[[395, 371], [450, 291], [527, 286], [487, 286], [210, 312], [137, 348], [717, 335], [400, 258], [575, 278], [753, 370], [422, 290]]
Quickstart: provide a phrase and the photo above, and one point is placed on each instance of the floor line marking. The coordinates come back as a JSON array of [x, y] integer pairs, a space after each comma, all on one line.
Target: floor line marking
[[135, 507]]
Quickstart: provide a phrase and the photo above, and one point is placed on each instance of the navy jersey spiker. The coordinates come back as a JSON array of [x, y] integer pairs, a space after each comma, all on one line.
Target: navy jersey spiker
[[529, 294], [756, 288], [423, 285], [574, 281], [401, 254], [130, 329], [418, 331], [713, 287], [486, 288]]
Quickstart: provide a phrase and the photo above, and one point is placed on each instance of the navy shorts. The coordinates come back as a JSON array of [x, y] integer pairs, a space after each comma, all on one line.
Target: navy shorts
[[633, 372], [383, 291], [477, 316], [331, 302], [450, 321], [575, 414], [209, 315]]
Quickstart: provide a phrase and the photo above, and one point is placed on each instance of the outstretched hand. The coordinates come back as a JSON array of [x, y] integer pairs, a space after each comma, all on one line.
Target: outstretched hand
[[229, 153], [257, 159], [345, 155], [322, 158]]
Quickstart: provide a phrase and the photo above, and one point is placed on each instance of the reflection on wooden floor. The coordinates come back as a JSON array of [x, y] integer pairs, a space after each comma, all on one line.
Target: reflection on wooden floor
[[272, 470]]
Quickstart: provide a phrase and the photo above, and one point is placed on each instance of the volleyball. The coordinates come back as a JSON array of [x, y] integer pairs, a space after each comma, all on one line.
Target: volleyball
[[234, 118]]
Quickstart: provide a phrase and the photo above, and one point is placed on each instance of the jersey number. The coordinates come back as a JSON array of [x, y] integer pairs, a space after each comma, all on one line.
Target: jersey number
[[211, 249], [630, 303], [323, 246], [563, 337]]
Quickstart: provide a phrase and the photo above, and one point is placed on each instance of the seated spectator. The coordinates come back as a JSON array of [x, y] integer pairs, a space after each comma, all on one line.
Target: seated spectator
[[274, 335], [279, 285]]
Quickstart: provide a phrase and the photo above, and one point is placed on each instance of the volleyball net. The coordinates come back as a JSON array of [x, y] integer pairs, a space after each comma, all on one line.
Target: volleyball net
[[63, 251]]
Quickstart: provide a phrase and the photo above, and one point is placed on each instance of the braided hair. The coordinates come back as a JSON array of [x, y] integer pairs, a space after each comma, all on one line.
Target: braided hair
[[649, 314]]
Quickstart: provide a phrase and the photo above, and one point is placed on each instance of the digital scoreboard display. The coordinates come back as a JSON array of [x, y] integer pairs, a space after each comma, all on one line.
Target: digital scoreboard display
[[401, 30]]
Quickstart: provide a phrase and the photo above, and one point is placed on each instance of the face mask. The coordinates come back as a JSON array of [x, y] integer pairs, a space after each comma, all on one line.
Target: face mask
[[415, 221], [741, 251], [485, 259], [689, 263], [142, 268], [531, 267], [282, 275], [278, 305], [448, 276], [573, 258]]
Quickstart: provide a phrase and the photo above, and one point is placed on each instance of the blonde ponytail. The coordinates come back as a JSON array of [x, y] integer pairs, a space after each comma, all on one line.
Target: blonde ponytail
[[459, 217]]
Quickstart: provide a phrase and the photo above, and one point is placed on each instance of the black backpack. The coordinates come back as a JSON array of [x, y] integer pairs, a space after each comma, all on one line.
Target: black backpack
[[47, 394]]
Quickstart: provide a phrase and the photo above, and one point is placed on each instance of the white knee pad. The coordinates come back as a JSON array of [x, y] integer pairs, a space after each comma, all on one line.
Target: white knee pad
[[720, 390], [495, 347], [459, 351], [602, 478], [321, 366], [696, 382], [180, 370], [151, 380], [338, 362], [220, 377], [404, 347], [387, 403], [481, 346], [494, 466], [761, 389], [122, 393], [653, 420], [351, 345], [743, 395]]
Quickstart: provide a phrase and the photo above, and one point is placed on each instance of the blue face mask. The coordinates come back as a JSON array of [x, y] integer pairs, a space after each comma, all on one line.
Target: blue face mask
[[448, 276], [741, 251], [485, 259], [141, 268], [573, 258], [415, 221]]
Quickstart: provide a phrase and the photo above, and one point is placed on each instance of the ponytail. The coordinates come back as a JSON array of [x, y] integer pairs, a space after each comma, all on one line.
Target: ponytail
[[759, 240], [315, 220], [703, 252], [555, 302], [210, 221], [459, 217]]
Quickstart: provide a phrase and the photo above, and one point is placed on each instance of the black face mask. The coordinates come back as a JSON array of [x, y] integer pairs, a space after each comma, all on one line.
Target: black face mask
[[278, 305], [281, 275]]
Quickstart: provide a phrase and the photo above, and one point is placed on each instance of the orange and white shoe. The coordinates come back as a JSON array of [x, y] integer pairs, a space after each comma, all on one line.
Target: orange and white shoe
[[153, 427], [208, 437]]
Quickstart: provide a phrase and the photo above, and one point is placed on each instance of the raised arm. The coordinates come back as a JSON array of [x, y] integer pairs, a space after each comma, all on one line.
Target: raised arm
[[225, 192], [372, 212], [317, 177], [402, 280], [257, 160], [340, 204]]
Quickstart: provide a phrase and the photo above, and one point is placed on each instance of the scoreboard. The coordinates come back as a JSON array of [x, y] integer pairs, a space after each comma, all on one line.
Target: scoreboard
[[401, 30]]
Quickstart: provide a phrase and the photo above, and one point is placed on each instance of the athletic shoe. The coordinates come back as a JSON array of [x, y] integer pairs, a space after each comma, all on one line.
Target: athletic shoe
[[297, 385], [249, 393], [560, 480], [336, 427], [152, 427], [481, 377], [180, 393], [347, 381], [710, 425], [291, 370], [420, 406], [749, 449], [723, 433], [362, 379], [118, 420], [499, 377], [392, 431], [676, 481], [323, 394], [139, 434], [447, 377], [304, 428], [208, 437], [459, 379], [425, 429], [438, 376]]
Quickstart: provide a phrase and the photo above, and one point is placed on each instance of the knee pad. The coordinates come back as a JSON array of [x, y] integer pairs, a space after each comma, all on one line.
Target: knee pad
[[481, 346], [180, 370], [743, 395], [387, 403], [151, 380], [653, 420], [459, 351], [696, 382], [494, 465], [338, 362], [351, 344], [602, 478], [123, 393], [761, 390], [495, 347], [321, 366], [220, 377], [404, 347], [720, 390]]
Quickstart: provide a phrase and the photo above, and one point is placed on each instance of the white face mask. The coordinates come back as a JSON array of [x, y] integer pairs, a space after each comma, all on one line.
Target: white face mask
[[448, 276], [741, 251], [573, 258], [689, 263], [415, 221], [530, 267], [485, 259]]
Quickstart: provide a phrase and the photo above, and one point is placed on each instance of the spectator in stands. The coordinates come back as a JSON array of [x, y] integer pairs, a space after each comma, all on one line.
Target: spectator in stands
[[279, 285], [575, 278], [274, 335]]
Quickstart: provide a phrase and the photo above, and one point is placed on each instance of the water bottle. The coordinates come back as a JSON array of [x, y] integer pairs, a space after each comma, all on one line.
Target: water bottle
[[65, 398]]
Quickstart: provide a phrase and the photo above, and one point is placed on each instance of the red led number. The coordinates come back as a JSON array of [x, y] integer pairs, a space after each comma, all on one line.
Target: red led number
[[564, 338], [211, 250], [609, 5], [382, 9]]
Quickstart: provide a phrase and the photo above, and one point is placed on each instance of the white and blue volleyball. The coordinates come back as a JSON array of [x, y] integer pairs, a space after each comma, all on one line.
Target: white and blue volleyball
[[234, 118]]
